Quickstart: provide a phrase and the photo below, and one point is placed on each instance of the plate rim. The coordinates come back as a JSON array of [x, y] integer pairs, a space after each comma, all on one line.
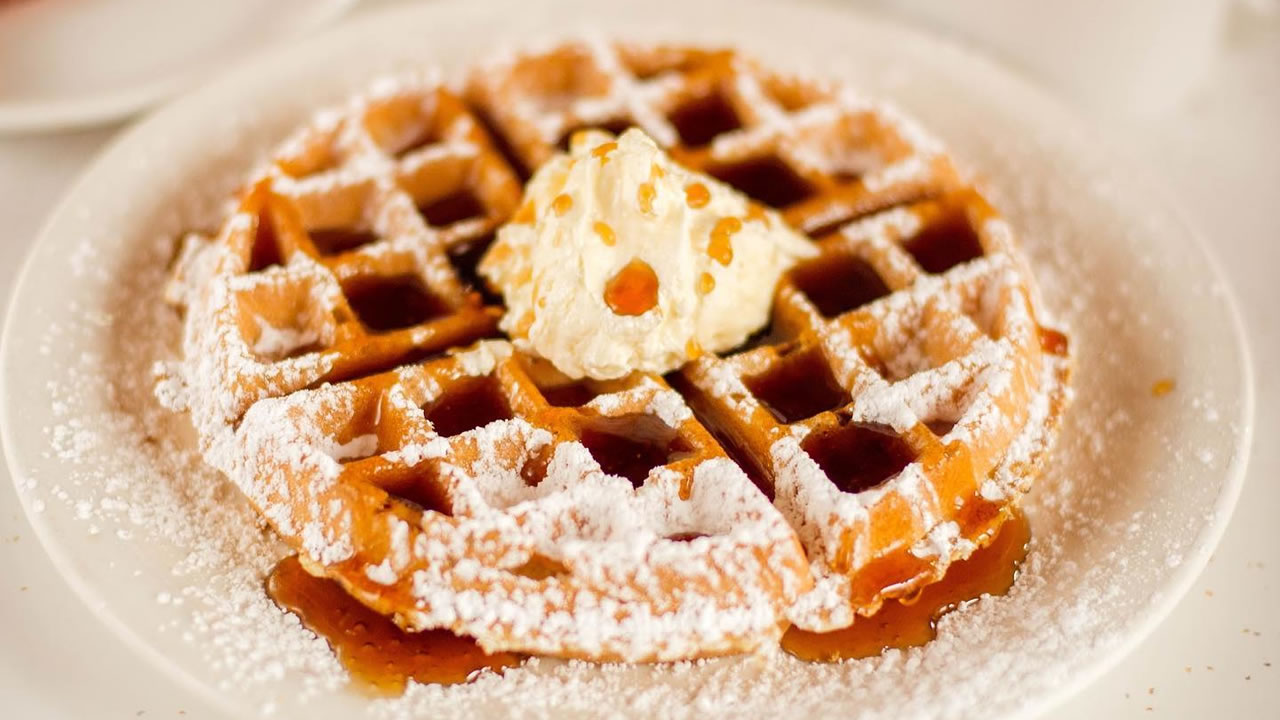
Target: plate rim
[[1172, 592]]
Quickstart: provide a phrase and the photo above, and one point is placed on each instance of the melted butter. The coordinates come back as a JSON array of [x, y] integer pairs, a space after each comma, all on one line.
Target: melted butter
[[379, 655], [906, 623], [1162, 387]]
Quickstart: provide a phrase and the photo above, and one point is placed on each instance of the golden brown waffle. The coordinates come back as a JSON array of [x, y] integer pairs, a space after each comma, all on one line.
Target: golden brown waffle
[[846, 384], [903, 365], [819, 152], [356, 253], [461, 493], [902, 400]]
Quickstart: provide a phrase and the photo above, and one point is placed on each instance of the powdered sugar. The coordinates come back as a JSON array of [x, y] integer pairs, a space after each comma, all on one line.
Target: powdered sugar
[[274, 342]]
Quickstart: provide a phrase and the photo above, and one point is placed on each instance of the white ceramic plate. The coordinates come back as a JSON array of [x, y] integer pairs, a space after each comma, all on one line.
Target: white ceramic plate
[[67, 63], [167, 554]]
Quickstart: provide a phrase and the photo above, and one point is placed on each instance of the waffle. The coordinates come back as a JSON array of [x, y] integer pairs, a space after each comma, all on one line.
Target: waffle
[[612, 530], [355, 252], [889, 406], [820, 153], [342, 366]]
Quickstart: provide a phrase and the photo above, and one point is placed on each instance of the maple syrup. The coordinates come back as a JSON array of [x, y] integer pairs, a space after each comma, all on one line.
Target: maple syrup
[[379, 655], [602, 151], [838, 283], [471, 403], [606, 233], [940, 428], [700, 121], [858, 456], [334, 241], [706, 283], [384, 304], [901, 624], [1052, 341], [421, 490], [696, 195], [645, 195], [574, 394], [562, 204], [943, 245], [634, 290], [632, 445], [731, 444], [465, 259], [613, 127], [540, 567], [768, 180], [721, 246], [798, 387], [452, 208], [265, 251]]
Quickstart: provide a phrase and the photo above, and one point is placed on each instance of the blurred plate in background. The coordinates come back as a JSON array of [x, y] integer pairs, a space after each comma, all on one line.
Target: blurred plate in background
[[67, 63]]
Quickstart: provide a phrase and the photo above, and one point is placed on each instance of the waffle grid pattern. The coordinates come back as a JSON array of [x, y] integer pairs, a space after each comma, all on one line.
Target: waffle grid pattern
[[883, 397], [820, 153], [901, 401], [460, 476]]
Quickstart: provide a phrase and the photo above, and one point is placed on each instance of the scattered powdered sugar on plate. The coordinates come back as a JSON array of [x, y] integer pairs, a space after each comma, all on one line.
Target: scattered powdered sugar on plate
[[132, 473]]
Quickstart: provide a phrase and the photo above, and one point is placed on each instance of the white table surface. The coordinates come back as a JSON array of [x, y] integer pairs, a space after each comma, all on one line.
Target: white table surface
[[1218, 654]]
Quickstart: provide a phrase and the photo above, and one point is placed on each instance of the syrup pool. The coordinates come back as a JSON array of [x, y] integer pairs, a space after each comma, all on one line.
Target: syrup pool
[[379, 655], [990, 570]]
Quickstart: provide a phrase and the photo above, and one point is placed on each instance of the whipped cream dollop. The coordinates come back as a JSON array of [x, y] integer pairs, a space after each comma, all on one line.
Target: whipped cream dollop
[[619, 260]]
